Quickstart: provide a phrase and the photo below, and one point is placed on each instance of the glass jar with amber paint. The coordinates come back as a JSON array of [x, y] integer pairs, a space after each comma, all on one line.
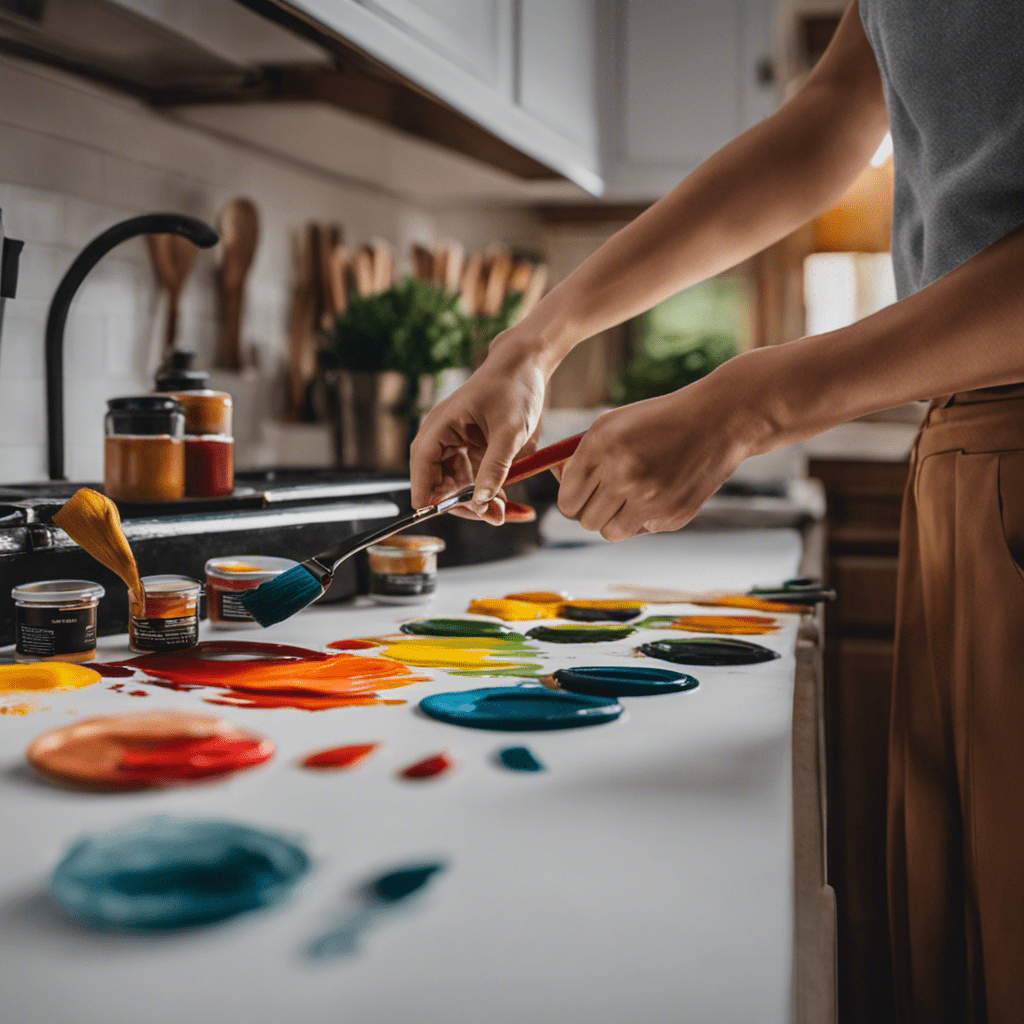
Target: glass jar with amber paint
[[170, 619], [403, 569], [144, 450]]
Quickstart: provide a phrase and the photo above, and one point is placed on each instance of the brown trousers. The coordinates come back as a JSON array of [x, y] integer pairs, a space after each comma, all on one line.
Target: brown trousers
[[956, 756]]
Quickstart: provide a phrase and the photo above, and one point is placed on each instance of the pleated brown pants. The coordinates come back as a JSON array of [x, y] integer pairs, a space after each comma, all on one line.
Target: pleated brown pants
[[956, 757]]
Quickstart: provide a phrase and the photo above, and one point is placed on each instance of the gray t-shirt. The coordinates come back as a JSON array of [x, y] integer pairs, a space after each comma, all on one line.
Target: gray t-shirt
[[953, 72]]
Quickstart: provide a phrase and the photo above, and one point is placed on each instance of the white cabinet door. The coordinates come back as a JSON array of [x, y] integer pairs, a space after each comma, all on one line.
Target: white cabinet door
[[686, 85], [557, 61], [471, 33]]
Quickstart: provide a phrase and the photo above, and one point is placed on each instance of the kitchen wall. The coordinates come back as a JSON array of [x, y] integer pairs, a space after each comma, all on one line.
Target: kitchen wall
[[73, 160]]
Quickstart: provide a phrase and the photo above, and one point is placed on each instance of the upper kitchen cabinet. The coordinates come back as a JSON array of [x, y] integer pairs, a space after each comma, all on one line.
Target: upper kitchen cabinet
[[686, 78], [521, 69]]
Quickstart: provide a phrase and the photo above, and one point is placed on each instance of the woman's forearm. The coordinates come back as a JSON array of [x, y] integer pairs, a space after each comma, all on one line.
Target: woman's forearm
[[963, 332], [760, 187]]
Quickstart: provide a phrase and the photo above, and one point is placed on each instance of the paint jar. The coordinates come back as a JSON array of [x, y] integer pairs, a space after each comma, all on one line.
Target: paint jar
[[209, 465], [209, 443], [227, 578], [170, 619], [56, 620], [403, 569], [144, 450]]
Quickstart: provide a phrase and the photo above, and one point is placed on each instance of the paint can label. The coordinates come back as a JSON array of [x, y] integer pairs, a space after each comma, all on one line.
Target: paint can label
[[48, 632], [228, 606], [164, 634], [402, 584]]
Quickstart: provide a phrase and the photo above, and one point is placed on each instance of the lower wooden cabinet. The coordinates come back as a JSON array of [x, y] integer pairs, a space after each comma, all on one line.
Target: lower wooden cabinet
[[864, 501]]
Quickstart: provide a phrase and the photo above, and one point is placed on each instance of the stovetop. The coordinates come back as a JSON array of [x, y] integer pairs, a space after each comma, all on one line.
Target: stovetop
[[21, 504]]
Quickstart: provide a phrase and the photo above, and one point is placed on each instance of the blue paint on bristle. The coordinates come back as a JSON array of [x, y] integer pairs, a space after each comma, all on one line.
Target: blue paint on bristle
[[280, 598]]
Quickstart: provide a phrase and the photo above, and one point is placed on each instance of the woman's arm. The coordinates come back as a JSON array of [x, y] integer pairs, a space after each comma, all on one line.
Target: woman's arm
[[650, 466], [757, 189]]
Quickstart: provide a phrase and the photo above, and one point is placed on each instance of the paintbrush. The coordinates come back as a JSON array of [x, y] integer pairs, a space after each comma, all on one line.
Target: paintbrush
[[92, 521], [280, 598]]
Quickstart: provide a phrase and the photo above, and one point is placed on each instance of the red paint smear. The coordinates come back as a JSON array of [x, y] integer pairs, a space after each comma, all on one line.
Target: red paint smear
[[137, 693], [352, 645], [181, 760], [427, 769], [340, 757], [258, 675], [118, 687], [111, 670]]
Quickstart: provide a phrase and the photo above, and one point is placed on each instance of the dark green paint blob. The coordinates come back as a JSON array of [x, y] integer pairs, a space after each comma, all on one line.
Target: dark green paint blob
[[623, 680], [709, 651], [579, 634], [582, 613], [459, 628], [396, 885], [520, 759], [525, 708], [161, 873]]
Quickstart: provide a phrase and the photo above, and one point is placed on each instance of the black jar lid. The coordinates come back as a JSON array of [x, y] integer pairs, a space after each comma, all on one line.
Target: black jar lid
[[145, 404], [177, 374]]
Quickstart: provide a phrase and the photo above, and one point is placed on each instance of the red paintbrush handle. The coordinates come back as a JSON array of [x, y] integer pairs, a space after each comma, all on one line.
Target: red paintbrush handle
[[546, 458]]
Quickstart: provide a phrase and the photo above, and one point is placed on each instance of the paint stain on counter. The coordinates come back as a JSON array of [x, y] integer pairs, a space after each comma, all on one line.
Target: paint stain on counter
[[724, 625], [146, 750], [46, 675], [503, 655], [519, 759], [261, 675], [525, 606], [340, 758], [429, 768], [19, 709]]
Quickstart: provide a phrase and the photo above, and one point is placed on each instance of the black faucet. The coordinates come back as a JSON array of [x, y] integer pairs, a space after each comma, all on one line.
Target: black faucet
[[194, 230]]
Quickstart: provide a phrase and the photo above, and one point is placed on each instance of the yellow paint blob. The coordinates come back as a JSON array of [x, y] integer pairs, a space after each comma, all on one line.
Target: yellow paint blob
[[238, 567], [727, 625], [46, 675], [476, 654], [512, 609], [605, 602]]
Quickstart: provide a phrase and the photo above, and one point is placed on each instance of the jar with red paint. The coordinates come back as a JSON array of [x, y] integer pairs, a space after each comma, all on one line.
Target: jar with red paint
[[209, 442]]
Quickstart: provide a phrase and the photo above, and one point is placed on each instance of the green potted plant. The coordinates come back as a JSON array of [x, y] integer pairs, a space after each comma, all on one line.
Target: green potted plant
[[381, 358]]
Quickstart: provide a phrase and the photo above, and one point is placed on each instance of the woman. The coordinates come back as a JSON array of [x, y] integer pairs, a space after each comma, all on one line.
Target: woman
[[948, 80]]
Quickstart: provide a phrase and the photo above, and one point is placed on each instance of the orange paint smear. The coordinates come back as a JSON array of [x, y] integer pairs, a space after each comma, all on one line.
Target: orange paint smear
[[340, 757], [187, 759], [259, 675], [758, 604], [429, 767], [17, 709], [727, 625], [238, 567], [527, 605]]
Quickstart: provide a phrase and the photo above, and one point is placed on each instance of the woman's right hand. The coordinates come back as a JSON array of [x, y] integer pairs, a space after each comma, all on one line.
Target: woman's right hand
[[478, 431]]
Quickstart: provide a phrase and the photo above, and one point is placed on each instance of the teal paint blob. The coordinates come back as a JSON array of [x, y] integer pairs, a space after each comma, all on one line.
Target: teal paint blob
[[579, 634], [583, 613], [161, 873], [709, 651], [519, 759], [397, 885], [623, 680], [459, 628], [526, 708]]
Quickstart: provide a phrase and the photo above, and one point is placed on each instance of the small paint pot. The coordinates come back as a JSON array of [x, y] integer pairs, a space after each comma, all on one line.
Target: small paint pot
[[403, 569], [170, 619], [55, 620], [227, 578]]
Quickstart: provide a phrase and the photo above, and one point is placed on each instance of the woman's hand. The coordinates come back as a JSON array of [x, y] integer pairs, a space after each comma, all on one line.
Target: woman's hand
[[477, 432], [649, 467]]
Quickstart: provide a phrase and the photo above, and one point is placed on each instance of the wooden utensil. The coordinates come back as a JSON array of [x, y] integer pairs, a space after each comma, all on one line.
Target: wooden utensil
[[534, 290], [301, 335], [338, 267], [520, 277], [454, 258], [173, 260], [496, 283], [383, 265], [423, 263], [328, 238], [239, 227], [470, 284]]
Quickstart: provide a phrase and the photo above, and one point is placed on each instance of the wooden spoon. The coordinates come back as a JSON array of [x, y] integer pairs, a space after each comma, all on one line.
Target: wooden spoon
[[173, 259], [239, 229]]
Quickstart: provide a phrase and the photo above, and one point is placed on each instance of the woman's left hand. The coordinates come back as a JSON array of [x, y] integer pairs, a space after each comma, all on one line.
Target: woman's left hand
[[649, 467]]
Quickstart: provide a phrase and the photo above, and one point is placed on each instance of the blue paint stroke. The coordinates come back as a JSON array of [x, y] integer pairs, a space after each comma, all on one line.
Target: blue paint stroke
[[376, 901], [162, 873], [520, 759]]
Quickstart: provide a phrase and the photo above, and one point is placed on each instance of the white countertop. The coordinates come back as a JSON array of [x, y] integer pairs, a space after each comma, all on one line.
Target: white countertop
[[646, 877]]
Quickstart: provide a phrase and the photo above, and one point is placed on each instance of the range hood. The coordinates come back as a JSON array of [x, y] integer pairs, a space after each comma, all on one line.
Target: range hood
[[243, 53]]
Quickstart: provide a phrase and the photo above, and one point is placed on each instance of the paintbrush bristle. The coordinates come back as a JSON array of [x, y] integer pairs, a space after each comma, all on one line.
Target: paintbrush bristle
[[280, 598]]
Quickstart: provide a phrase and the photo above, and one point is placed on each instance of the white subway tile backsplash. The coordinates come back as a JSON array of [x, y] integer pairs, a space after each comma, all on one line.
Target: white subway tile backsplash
[[22, 413]]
